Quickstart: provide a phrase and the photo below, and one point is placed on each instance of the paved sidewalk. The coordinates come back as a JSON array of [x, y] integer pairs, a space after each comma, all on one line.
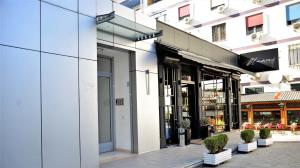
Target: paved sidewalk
[[173, 157], [278, 155]]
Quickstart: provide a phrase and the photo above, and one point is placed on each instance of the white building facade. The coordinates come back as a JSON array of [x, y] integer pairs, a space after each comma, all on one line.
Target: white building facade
[[266, 29], [68, 88]]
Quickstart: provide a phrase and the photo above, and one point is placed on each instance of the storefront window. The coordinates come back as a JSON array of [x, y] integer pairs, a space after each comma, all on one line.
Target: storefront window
[[293, 116], [244, 116], [265, 117], [213, 101]]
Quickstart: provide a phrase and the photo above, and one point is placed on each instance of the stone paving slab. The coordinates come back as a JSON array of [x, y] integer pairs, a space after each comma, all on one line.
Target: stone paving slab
[[278, 155], [173, 157]]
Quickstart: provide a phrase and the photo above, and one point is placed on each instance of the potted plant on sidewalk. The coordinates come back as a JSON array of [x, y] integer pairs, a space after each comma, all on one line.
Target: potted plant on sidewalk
[[217, 154], [186, 124], [248, 145], [265, 138]]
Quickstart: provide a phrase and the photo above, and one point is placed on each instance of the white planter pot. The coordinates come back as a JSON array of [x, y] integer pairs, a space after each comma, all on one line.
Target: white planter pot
[[215, 159], [247, 147], [264, 142]]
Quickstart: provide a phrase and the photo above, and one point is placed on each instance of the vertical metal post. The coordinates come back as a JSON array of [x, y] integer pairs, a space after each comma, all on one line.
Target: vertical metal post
[[228, 102], [161, 79], [239, 106]]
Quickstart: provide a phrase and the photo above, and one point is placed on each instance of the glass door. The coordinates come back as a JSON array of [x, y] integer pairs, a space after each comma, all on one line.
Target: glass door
[[170, 112], [105, 112], [214, 101]]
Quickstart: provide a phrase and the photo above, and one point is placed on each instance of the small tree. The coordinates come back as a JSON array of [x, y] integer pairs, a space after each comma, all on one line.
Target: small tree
[[216, 144], [264, 133], [247, 135], [223, 139], [212, 144]]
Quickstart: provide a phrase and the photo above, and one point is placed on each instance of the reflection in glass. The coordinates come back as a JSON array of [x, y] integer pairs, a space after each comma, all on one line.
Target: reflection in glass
[[214, 101]]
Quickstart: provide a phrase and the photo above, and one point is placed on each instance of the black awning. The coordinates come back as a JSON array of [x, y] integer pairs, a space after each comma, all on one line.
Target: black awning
[[266, 60], [172, 55], [126, 28]]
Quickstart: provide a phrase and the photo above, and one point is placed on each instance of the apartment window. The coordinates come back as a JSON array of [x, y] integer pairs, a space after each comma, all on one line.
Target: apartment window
[[150, 2], [295, 87], [254, 90], [214, 4], [183, 12], [292, 13], [294, 55], [219, 32], [254, 23]]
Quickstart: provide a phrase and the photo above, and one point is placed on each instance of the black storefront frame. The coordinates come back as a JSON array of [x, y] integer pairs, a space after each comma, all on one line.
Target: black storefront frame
[[168, 57]]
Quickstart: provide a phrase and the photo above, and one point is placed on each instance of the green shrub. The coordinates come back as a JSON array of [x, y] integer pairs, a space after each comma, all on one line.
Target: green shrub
[[247, 135], [216, 144], [223, 139], [212, 144], [264, 133]]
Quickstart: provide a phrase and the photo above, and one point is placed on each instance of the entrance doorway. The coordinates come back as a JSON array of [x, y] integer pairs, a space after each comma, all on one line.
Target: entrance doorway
[[105, 112], [214, 100], [170, 105]]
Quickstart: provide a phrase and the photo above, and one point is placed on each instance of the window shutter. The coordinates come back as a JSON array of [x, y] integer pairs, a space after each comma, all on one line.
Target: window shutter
[[184, 11], [293, 12], [254, 20]]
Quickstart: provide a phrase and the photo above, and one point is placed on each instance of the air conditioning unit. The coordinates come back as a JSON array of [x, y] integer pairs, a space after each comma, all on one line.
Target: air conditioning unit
[[221, 9], [256, 36], [188, 20], [257, 1], [296, 26]]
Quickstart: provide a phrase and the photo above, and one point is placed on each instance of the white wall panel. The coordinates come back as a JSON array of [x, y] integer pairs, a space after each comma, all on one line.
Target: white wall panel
[[146, 61], [20, 23], [88, 7], [87, 38], [123, 11], [60, 112], [104, 7], [69, 4], [148, 113], [20, 112], [88, 114], [59, 30], [121, 89]]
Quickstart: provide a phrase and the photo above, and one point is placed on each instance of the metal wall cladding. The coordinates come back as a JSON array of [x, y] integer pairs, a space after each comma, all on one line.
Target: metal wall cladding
[[60, 111], [20, 115], [20, 23]]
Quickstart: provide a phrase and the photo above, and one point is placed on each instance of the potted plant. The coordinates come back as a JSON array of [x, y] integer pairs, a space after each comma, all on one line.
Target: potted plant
[[248, 145], [217, 154], [265, 138], [186, 124], [204, 128]]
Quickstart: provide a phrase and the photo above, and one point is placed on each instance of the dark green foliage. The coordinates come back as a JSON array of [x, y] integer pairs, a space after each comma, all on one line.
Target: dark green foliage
[[212, 144], [247, 135], [264, 133], [223, 139], [216, 144]]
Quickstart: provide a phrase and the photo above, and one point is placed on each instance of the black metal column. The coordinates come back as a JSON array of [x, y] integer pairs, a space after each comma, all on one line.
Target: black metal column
[[161, 94], [239, 102], [228, 103]]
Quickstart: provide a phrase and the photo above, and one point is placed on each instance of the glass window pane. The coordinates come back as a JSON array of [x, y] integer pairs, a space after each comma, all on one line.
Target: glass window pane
[[104, 107], [293, 117], [104, 64]]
